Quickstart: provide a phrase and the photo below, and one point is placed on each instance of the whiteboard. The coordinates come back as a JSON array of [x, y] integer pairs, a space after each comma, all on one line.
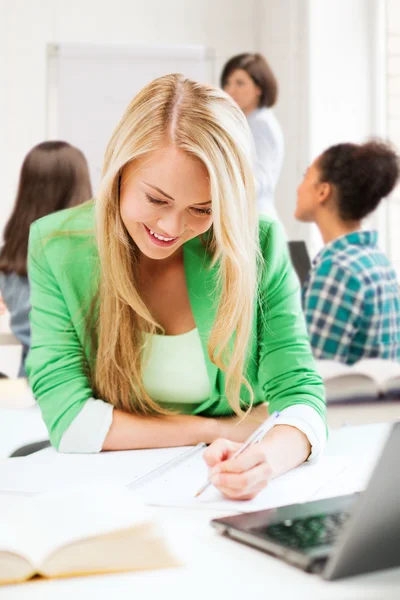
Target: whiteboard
[[89, 86]]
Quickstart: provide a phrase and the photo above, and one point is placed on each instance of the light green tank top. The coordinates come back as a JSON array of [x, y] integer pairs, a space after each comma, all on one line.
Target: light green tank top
[[175, 372]]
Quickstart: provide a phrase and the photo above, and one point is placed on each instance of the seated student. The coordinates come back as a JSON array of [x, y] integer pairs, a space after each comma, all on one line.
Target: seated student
[[351, 297], [164, 310], [54, 175]]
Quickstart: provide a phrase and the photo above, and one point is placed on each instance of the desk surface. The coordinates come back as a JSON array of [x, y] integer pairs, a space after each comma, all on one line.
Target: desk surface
[[220, 568], [217, 568]]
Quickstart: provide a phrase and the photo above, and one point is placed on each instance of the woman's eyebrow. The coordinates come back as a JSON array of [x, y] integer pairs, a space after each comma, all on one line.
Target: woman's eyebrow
[[170, 197], [158, 190]]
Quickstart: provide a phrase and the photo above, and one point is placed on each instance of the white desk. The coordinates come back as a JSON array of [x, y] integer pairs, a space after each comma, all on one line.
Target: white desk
[[218, 568]]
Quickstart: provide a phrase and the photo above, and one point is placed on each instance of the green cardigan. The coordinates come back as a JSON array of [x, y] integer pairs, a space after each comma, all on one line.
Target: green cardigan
[[63, 271]]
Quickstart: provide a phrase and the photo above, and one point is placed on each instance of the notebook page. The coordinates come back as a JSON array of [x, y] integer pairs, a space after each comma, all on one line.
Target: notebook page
[[179, 486], [50, 471]]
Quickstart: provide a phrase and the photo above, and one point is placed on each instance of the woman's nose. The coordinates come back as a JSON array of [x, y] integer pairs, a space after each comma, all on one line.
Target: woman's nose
[[172, 225]]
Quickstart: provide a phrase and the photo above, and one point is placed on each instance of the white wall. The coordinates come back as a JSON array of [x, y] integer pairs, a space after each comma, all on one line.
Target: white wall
[[341, 72], [325, 55], [323, 52], [283, 40], [26, 26], [393, 121], [344, 75]]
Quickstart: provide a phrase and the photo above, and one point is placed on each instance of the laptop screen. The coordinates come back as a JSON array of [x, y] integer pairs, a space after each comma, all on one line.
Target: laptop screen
[[300, 259]]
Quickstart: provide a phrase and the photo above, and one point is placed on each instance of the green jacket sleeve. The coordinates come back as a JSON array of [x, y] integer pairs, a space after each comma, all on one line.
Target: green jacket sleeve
[[287, 373], [55, 363]]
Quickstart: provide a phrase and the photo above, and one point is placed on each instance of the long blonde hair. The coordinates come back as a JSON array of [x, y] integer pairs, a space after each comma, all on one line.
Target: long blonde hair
[[205, 122]]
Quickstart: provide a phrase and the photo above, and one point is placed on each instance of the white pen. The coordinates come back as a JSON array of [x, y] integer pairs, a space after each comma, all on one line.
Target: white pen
[[254, 438]]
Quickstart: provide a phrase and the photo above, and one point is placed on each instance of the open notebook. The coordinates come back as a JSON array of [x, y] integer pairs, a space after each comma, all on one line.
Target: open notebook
[[368, 379], [85, 530]]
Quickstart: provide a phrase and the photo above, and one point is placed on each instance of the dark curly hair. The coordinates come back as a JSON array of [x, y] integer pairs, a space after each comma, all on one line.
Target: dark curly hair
[[362, 174], [259, 70]]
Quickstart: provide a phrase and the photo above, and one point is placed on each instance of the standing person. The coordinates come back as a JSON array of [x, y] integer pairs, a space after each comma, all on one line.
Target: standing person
[[249, 79], [351, 297], [167, 309], [54, 176]]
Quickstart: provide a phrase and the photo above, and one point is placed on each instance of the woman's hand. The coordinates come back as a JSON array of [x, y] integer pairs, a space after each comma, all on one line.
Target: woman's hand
[[241, 478]]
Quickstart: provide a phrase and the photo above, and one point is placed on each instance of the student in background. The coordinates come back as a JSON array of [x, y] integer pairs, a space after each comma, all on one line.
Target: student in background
[[248, 78], [351, 298], [54, 175], [166, 309]]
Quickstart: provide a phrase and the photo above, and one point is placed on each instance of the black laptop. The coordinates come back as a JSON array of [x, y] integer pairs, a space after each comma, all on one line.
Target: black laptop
[[300, 259], [336, 537]]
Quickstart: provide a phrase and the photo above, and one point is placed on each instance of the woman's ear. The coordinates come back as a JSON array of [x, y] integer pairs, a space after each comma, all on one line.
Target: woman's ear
[[324, 192]]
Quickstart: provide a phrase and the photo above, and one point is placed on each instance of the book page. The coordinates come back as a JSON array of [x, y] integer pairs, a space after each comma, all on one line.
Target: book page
[[141, 547], [45, 522], [385, 372], [12, 533], [179, 486], [328, 369], [345, 382], [14, 568]]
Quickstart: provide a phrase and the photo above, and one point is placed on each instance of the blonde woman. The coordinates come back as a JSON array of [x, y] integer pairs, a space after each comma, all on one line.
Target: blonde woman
[[165, 310]]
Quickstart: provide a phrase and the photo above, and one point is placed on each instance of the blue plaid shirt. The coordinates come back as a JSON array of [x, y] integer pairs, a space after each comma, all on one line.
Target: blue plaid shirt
[[351, 301]]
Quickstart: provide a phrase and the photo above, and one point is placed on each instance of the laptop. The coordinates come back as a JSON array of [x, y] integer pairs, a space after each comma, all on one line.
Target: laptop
[[336, 537], [300, 259]]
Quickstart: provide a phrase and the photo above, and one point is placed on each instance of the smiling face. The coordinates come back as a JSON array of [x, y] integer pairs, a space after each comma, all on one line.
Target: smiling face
[[243, 90], [165, 201]]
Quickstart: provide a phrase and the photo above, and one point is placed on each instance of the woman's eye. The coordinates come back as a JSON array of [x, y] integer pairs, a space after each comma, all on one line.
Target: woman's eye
[[155, 200], [202, 211]]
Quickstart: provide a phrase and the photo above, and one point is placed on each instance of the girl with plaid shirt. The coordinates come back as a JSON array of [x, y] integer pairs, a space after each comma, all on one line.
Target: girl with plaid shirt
[[351, 297]]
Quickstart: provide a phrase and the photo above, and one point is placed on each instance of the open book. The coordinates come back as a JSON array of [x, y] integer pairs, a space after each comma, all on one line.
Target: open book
[[368, 379], [85, 530]]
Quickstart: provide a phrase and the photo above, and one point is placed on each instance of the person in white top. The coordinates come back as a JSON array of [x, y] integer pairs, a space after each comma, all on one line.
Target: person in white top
[[250, 81]]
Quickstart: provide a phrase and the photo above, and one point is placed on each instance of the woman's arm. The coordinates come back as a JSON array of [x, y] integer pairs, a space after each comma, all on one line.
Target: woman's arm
[[289, 380], [55, 364], [287, 370], [99, 426], [131, 431]]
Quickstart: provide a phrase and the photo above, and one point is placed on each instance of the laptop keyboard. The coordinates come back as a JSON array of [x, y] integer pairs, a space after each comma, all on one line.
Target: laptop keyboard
[[320, 530]]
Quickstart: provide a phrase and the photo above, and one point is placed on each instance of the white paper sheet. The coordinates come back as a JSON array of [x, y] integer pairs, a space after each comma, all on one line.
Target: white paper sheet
[[50, 471], [179, 486]]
